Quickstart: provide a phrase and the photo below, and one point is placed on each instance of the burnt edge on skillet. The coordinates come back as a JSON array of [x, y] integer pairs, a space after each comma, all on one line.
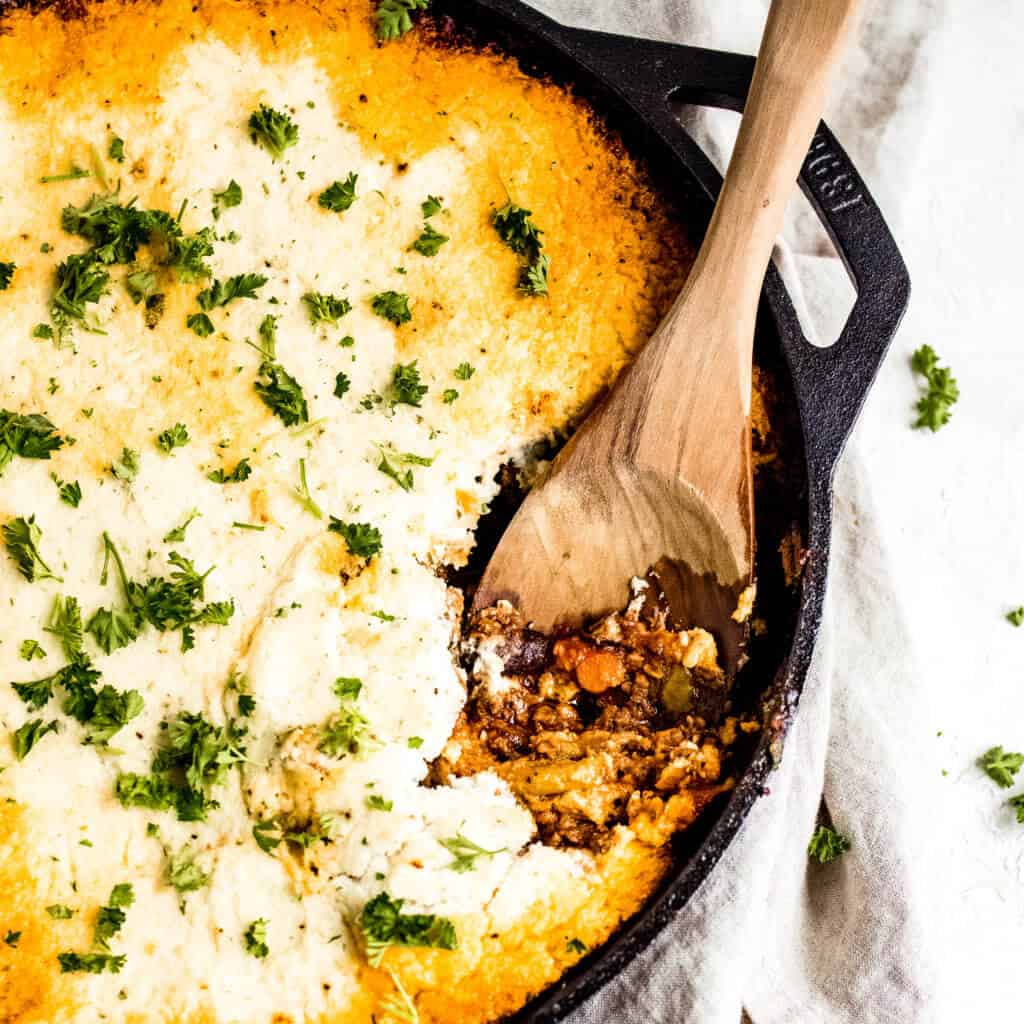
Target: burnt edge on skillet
[[814, 396]]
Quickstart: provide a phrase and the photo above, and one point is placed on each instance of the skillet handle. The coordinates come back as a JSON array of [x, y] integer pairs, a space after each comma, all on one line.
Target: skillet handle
[[832, 383], [835, 380]]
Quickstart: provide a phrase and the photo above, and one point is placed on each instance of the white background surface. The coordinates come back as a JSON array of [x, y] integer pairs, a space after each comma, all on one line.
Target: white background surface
[[919, 672]]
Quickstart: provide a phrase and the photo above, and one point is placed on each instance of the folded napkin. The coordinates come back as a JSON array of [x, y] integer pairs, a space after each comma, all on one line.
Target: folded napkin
[[771, 935]]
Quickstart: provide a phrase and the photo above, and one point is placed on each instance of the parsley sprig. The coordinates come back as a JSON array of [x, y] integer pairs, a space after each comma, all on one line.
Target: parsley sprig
[[827, 845], [166, 603], [27, 436], [273, 129], [935, 405], [1001, 766], [393, 17], [466, 853], [522, 236], [362, 539], [339, 196], [392, 306], [382, 925], [325, 308], [195, 756], [21, 538]]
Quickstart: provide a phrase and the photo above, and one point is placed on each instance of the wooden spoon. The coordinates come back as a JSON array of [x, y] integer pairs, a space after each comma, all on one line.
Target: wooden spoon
[[659, 475]]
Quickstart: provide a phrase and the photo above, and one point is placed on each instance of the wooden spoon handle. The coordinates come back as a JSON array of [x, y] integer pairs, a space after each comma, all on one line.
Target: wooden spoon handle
[[802, 43]]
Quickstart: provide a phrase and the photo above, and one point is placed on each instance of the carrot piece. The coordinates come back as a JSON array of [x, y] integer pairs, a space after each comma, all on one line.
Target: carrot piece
[[600, 671]]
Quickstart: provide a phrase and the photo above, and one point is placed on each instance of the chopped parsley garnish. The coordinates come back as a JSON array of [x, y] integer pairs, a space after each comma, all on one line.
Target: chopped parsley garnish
[[464, 371], [25, 738], [431, 206], [116, 231], [194, 757], [268, 336], [103, 712], [220, 293], [302, 495], [246, 704], [577, 946], [177, 535], [231, 196], [272, 129], [1017, 802], [449, 395], [170, 603], [282, 394], [43, 331], [517, 231], [183, 873], [200, 323], [78, 679], [362, 539], [325, 308], [30, 436], [345, 732], [81, 280], [116, 149], [393, 306], [111, 918], [339, 196], [391, 463], [255, 939], [533, 279], [6, 274], [73, 175], [66, 626], [1001, 766], [466, 853], [377, 803], [109, 922], [347, 342], [933, 407], [112, 710], [141, 284], [126, 468], [827, 845], [90, 963], [393, 17], [1016, 617], [12, 938], [173, 437], [383, 924], [113, 629], [347, 687], [341, 385], [21, 538], [59, 912], [414, 742], [406, 386], [270, 834], [429, 241], [239, 474], [522, 236], [30, 650], [70, 491]]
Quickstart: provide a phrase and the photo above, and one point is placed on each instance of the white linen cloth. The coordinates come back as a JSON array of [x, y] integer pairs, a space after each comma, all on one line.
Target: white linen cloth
[[916, 671]]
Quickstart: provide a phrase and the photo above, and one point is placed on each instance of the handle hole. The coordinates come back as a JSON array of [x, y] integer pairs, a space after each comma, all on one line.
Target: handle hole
[[816, 278], [815, 275]]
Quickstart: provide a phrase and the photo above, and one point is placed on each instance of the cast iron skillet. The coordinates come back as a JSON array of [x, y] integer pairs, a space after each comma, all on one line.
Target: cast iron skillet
[[632, 84]]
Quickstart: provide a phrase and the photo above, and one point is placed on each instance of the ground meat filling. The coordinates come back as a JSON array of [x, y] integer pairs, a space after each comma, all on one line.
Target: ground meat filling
[[619, 724]]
